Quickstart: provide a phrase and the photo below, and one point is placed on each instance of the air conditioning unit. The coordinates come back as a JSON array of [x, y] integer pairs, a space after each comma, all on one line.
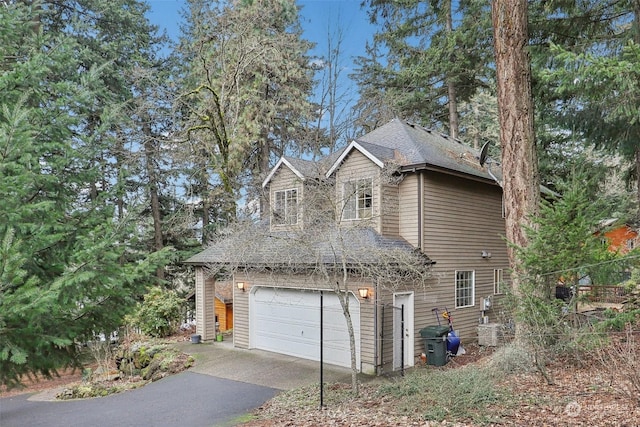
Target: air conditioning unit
[[489, 334]]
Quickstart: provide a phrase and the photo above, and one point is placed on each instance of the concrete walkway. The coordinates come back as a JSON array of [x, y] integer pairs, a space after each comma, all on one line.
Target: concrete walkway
[[222, 360]]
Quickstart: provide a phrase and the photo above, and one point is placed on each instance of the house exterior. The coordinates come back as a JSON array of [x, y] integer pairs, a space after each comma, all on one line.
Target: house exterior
[[398, 188], [223, 306], [622, 238]]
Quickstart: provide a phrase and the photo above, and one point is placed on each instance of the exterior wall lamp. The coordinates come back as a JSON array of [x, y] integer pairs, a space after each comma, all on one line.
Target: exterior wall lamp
[[485, 254], [364, 293], [240, 286]]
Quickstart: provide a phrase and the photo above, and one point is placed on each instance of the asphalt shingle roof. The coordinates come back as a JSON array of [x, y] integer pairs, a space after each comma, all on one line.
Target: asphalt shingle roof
[[255, 245], [413, 145]]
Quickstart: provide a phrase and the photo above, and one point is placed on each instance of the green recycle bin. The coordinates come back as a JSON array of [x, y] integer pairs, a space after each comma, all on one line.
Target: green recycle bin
[[435, 344]]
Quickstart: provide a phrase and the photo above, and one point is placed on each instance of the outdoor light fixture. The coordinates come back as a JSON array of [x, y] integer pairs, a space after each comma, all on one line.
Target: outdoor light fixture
[[241, 286], [486, 254], [364, 292]]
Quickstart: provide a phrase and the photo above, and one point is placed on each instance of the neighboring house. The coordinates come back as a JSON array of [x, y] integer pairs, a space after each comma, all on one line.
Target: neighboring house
[[224, 306], [412, 189], [622, 238]]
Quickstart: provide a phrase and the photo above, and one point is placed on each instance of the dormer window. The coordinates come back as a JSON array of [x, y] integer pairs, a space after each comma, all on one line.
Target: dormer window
[[358, 199], [285, 210]]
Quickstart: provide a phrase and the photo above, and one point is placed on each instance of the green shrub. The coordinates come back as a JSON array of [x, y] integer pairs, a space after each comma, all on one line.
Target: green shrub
[[159, 314], [616, 321]]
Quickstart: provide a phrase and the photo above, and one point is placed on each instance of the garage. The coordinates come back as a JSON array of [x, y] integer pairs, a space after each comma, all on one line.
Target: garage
[[287, 321]]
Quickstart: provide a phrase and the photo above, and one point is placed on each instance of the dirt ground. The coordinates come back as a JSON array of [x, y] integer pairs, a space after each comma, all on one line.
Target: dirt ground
[[35, 385], [601, 388], [67, 377]]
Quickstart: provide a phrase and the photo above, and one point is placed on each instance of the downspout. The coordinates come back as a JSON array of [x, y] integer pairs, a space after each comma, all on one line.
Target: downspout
[[375, 330], [382, 342], [420, 210]]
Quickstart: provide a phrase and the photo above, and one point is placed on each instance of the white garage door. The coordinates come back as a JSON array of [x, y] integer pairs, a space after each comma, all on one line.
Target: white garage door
[[288, 321]]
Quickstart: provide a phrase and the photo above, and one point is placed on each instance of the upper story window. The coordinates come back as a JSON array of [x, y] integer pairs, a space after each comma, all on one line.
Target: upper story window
[[285, 210], [358, 199], [465, 288]]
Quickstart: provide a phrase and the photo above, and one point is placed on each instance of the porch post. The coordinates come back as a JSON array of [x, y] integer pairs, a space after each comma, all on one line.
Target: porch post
[[205, 306]]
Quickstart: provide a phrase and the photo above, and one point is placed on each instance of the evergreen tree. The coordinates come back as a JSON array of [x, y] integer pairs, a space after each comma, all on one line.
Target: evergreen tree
[[597, 87], [577, 28], [436, 55], [69, 266], [521, 187], [564, 246]]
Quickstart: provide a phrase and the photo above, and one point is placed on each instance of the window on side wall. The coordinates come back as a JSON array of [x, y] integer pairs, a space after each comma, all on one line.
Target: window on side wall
[[285, 211], [630, 244], [498, 278], [358, 199], [465, 289]]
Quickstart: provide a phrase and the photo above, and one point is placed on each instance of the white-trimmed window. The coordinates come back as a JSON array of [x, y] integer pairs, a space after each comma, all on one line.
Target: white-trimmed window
[[285, 210], [630, 244], [465, 288], [358, 199], [498, 278]]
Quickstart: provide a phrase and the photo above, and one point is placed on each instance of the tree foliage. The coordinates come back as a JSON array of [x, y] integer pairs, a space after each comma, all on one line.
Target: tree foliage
[[246, 92], [69, 267], [160, 312], [429, 57], [581, 81], [564, 248], [604, 107]]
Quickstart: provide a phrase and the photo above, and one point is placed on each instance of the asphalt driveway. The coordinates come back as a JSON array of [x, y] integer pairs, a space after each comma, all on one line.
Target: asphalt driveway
[[186, 399], [223, 387]]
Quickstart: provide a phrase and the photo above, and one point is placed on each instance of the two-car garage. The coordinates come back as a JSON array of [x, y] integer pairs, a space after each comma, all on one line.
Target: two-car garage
[[287, 321]]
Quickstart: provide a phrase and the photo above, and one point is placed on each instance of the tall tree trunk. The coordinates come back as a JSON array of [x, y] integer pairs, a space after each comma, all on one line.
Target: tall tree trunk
[[206, 194], [120, 157], [638, 177], [636, 39], [264, 168], [451, 86], [453, 110], [521, 188], [152, 176]]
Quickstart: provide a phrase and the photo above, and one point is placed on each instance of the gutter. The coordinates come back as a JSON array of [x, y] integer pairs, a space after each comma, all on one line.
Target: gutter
[[428, 167]]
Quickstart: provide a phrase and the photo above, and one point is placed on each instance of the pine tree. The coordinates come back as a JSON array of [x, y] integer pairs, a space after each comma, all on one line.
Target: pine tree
[[596, 85], [436, 55], [521, 188], [70, 268], [577, 29]]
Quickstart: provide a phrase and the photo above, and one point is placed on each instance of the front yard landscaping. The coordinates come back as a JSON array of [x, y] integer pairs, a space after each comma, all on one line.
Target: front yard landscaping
[[600, 387]]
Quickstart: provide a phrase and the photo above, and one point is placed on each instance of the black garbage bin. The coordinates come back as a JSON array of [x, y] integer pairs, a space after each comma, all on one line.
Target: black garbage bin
[[435, 344]]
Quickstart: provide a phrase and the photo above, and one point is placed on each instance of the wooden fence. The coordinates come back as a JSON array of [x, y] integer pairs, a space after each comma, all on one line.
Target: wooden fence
[[603, 293]]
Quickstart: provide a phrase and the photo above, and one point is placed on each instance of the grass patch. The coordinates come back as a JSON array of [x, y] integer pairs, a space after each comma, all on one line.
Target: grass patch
[[308, 397], [452, 394]]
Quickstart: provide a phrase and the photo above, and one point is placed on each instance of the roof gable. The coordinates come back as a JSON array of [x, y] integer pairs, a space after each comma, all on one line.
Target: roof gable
[[373, 152], [287, 163]]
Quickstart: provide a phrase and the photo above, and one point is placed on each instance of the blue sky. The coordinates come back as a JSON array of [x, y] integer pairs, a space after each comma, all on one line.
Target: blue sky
[[318, 17]]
